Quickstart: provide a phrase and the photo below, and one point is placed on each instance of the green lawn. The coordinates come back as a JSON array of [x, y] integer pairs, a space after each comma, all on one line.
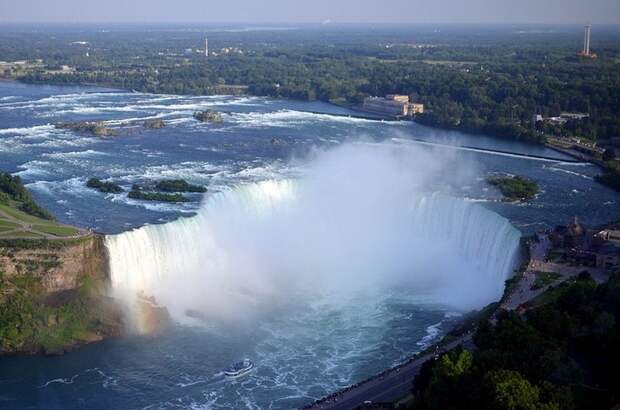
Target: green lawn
[[56, 230], [7, 224], [22, 216], [20, 234], [38, 224]]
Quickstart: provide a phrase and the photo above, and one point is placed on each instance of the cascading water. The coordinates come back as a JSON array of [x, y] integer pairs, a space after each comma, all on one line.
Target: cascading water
[[262, 243]]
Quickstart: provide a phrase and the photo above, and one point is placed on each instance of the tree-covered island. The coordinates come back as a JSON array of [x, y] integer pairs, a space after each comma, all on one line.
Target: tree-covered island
[[105, 187], [137, 192], [514, 188], [164, 190], [178, 185]]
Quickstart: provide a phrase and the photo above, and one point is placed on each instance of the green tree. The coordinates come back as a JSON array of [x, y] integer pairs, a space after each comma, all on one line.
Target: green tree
[[508, 390], [449, 383]]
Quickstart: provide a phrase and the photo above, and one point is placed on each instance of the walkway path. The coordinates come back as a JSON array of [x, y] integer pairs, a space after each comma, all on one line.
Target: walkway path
[[539, 249], [26, 227], [523, 290]]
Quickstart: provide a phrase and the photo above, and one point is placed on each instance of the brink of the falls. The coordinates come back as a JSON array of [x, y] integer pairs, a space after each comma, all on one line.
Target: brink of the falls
[[265, 243]]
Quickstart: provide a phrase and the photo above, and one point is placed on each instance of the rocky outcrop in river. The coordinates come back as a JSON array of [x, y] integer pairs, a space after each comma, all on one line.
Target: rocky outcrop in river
[[97, 128], [154, 123], [209, 116]]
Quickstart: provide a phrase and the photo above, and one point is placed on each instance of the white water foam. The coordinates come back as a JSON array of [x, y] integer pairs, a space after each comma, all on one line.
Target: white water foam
[[565, 171], [288, 118], [60, 381], [432, 332]]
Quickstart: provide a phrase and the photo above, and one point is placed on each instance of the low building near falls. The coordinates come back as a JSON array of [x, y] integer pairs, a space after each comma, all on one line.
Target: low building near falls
[[596, 248], [393, 104]]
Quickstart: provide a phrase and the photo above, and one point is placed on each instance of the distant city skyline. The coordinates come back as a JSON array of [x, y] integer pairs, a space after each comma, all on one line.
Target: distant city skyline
[[315, 11]]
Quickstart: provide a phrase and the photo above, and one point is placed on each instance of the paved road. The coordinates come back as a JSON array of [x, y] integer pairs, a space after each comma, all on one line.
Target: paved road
[[388, 387]]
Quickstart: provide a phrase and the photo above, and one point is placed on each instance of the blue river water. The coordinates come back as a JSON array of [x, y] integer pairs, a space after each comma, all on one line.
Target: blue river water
[[303, 352]]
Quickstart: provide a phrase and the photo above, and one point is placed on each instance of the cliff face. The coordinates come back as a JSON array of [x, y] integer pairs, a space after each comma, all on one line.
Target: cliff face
[[53, 295], [58, 266]]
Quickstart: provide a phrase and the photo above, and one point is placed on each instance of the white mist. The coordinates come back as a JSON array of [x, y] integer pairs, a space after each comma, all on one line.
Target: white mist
[[361, 221]]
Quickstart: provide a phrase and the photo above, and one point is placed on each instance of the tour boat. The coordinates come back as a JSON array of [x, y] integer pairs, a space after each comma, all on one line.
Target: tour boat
[[239, 369]]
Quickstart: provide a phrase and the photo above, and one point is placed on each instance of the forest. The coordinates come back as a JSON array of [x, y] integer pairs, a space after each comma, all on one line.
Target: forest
[[562, 354], [488, 79]]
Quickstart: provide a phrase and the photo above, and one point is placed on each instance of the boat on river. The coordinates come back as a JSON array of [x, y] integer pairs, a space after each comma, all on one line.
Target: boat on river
[[239, 369]]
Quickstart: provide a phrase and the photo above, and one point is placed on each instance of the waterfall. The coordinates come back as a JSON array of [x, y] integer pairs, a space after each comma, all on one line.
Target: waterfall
[[482, 237], [257, 243]]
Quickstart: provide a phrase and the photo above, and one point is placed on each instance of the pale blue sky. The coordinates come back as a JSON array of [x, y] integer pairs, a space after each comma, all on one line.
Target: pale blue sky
[[304, 11]]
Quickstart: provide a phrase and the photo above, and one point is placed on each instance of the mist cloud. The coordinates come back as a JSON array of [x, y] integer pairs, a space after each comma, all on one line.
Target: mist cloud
[[361, 221]]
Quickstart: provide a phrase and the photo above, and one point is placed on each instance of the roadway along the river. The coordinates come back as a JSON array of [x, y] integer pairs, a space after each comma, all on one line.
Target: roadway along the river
[[388, 387]]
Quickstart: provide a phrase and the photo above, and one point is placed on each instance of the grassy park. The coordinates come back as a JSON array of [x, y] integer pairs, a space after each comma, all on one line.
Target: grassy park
[[22, 218]]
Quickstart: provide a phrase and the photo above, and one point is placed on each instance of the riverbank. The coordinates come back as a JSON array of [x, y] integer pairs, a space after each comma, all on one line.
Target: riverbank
[[539, 281], [54, 280], [356, 112], [394, 383], [576, 154], [53, 295], [611, 169]]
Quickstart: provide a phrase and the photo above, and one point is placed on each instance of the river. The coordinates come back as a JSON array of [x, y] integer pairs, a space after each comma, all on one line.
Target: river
[[304, 347]]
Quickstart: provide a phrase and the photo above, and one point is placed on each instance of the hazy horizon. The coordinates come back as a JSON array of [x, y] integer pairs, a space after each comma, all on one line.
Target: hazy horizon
[[317, 11]]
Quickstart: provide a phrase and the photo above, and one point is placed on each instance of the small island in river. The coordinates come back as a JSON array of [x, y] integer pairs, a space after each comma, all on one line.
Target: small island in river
[[178, 185], [164, 190], [138, 192], [105, 187], [514, 188]]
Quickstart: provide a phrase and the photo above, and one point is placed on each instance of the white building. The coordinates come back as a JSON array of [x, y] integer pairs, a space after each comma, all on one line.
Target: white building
[[393, 104]]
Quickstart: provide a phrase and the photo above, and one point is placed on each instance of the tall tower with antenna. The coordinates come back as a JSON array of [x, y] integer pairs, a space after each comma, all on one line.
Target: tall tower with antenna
[[206, 47], [587, 35]]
